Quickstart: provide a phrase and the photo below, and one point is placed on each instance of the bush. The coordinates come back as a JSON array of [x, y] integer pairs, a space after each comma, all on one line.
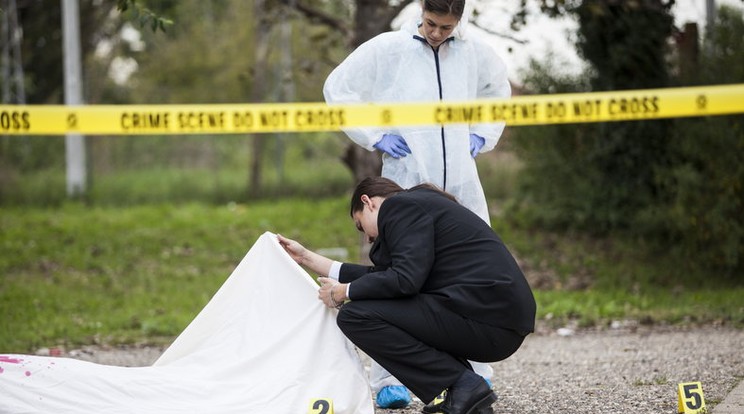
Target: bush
[[675, 184]]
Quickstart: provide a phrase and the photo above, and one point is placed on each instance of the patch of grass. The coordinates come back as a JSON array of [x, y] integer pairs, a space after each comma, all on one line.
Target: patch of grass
[[130, 171], [498, 171], [78, 275], [154, 242], [596, 281], [75, 274], [598, 307], [174, 185]]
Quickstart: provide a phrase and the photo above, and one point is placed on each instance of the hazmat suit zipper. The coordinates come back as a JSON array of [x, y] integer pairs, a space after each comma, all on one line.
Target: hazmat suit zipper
[[441, 96], [444, 147]]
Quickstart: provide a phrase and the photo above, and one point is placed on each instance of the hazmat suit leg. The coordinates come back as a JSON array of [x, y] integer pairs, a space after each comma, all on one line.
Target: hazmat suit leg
[[379, 377]]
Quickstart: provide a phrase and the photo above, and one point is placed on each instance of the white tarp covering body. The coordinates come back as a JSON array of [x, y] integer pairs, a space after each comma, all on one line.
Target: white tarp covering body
[[263, 344]]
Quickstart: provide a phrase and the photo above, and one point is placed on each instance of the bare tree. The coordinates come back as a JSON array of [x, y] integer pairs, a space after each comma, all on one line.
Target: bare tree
[[371, 17], [261, 51], [10, 62]]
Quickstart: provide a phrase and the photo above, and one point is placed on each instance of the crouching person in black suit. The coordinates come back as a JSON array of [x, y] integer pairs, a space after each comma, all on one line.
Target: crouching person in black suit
[[443, 289]]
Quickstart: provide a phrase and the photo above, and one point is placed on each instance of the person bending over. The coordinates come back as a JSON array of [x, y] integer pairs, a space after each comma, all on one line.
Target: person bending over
[[443, 289]]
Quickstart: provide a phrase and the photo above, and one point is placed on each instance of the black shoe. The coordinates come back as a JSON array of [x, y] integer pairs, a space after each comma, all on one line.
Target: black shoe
[[468, 395]]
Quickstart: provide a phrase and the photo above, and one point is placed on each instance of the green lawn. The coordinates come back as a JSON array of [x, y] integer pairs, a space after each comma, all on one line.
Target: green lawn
[[79, 275]]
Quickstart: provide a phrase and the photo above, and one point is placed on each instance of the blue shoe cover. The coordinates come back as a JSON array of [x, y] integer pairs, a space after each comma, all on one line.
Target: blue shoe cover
[[393, 396]]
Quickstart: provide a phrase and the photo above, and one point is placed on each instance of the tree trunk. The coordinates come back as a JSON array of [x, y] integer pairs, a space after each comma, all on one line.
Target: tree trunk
[[261, 51], [371, 18], [286, 81], [688, 52]]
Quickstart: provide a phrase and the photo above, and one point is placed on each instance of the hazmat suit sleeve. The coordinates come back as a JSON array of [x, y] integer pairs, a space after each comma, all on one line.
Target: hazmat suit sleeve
[[492, 83], [352, 82]]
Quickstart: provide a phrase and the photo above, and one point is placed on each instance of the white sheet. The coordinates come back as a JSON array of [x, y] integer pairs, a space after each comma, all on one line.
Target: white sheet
[[263, 344]]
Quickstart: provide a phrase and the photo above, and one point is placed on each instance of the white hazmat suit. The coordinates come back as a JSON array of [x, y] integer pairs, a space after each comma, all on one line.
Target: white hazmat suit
[[400, 66]]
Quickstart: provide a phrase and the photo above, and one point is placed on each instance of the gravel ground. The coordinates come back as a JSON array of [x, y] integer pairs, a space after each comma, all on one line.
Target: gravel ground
[[625, 369]]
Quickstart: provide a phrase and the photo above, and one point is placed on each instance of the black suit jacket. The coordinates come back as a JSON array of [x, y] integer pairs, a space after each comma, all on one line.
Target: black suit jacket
[[428, 244]]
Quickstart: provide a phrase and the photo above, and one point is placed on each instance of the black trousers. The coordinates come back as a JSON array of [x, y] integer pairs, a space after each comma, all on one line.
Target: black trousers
[[422, 343]]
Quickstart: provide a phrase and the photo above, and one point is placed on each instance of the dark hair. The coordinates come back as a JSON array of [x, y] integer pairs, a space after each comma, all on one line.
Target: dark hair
[[444, 7], [384, 187]]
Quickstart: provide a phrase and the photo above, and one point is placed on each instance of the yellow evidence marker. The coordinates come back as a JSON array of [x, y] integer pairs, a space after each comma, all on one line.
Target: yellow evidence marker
[[321, 406], [690, 398]]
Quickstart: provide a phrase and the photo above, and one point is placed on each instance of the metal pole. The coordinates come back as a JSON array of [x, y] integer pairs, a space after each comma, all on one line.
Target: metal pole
[[74, 143], [710, 16]]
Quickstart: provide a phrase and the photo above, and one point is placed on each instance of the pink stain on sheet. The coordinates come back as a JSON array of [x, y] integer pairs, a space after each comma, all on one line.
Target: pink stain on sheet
[[1, 370], [28, 373], [4, 358]]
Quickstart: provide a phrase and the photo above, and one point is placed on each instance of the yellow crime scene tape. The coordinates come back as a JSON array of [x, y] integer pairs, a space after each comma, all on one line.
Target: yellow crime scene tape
[[308, 117]]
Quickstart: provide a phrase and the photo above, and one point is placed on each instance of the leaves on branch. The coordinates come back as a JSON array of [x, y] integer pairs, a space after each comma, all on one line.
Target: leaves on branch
[[144, 15]]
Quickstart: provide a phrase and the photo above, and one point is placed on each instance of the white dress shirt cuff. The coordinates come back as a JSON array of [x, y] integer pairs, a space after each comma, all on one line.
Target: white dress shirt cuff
[[334, 272]]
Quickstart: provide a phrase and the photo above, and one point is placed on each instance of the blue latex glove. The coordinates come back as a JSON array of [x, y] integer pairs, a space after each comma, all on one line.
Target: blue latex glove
[[393, 145], [476, 143]]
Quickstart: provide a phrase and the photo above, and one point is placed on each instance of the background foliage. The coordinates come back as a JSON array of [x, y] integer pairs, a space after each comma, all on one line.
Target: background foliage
[[636, 220], [674, 183]]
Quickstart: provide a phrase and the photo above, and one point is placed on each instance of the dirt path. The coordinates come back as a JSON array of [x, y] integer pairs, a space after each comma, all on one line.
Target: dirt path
[[625, 370]]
